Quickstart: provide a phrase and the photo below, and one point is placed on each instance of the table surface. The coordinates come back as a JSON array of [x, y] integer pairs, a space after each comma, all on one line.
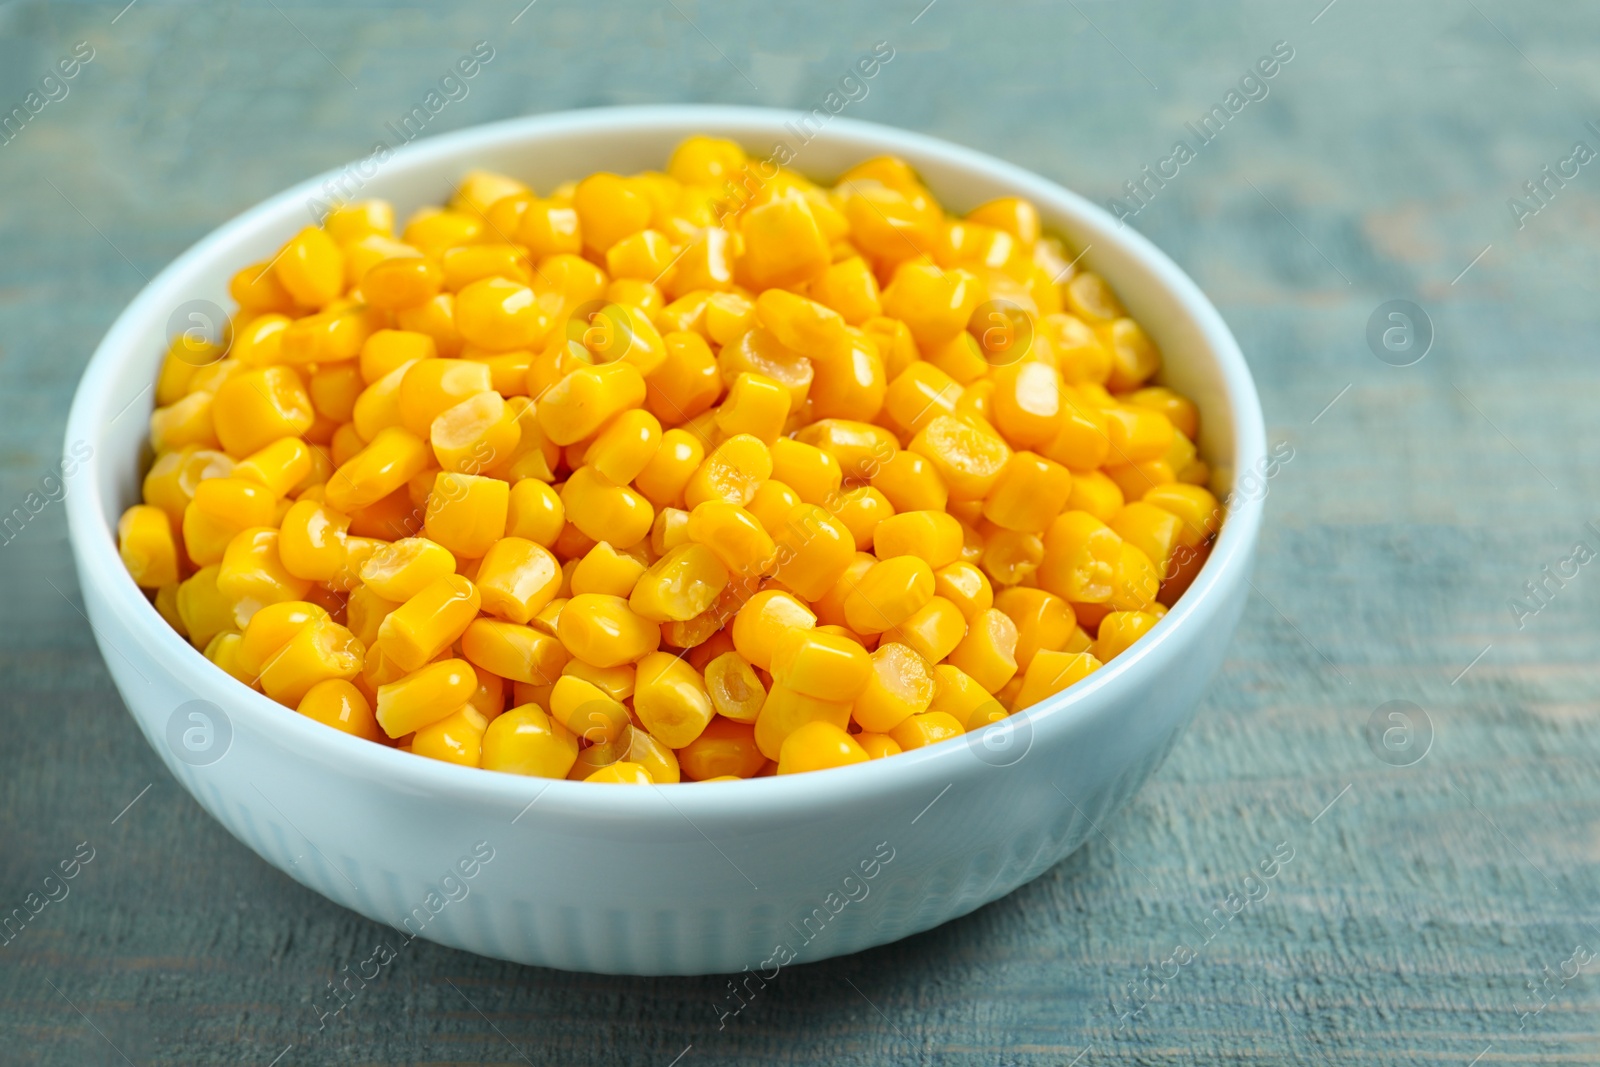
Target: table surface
[[1424, 905]]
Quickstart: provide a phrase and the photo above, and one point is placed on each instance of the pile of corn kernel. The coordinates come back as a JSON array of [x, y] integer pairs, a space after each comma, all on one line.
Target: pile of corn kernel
[[703, 474]]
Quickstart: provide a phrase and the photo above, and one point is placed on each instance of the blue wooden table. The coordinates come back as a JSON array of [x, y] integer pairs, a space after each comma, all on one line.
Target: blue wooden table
[[1434, 897]]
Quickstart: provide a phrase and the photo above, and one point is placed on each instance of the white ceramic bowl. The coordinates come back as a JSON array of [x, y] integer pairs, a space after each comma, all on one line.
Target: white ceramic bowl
[[693, 879]]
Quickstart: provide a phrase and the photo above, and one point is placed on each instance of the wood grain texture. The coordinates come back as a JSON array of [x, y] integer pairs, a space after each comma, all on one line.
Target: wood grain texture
[[1416, 910]]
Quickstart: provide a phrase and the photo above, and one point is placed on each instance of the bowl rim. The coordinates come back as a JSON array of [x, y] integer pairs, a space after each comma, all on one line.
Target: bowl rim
[[94, 546]]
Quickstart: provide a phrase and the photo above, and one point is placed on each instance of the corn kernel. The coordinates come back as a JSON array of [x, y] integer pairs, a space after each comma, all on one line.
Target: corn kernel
[[671, 699], [820, 665], [311, 268], [877, 746], [861, 511], [605, 632], [586, 399], [783, 244], [734, 688], [602, 510], [756, 405], [474, 435], [732, 472], [519, 653], [401, 570], [1030, 492], [889, 594], [968, 460], [622, 772], [525, 741], [763, 620], [609, 208], [1081, 555], [813, 549], [786, 711], [147, 547], [457, 738], [319, 651], [682, 584], [934, 536], [817, 746], [429, 622], [849, 288], [933, 631], [256, 407], [605, 570], [988, 652], [467, 512], [724, 749], [1051, 672], [393, 458], [965, 586], [929, 728]]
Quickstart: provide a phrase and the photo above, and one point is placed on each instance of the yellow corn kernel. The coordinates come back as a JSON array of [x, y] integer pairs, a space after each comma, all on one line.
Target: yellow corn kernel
[[786, 711], [1134, 357], [817, 746], [807, 327], [622, 772], [929, 728], [1118, 630], [1029, 403], [783, 244], [732, 472], [223, 651], [548, 228], [320, 650], [364, 614], [771, 504], [256, 407], [1136, 479], [969, 461], [147, 547], [911, 483], [725, 749], [1096, 494], [625, 447], [670, 530], [671, 699], [1082, 440], [252, 574], [663, 479], [619, 333], [877, 746], [166, 605], [686, 382], [393, 458], [1153, 530], [1137, 434], [271, 628], [933, 631], [1135, 582], [519, 653], [424, 696], [517, 579], [899, 686], [813, 549], [311, 268], [988, 652], [934, 536], [935, 304], [728, 316], [821, 665], [1081, 554], [457, 738], [888, 594], [755, 405], [646, 255], [258, 343], [340, 704], [734, 688], [963, 359], [205, 611], [334, 391], [583, 401], [332, 336], [525, 741], [534, 512], [702, 160], [605, 570], [406, 279], [173, 476], [763, 620], [279, 466], [431, 387], [609, 207], [1196, 509], [257, 289], [682, 584], [920, 394], [861, 511], [758, 351], [605, 632], [1051, 672], [586, 710], [435, 317], [429, 622], [1029, 494], [965, 586], [476, 434], [849, 288], [1010, 556], [602, 510], [401, 570], [363, 218], [388, 350], [814, 475], [1043, 620], [1091, 299], [467, 512], [378, 406], [853, 386]]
